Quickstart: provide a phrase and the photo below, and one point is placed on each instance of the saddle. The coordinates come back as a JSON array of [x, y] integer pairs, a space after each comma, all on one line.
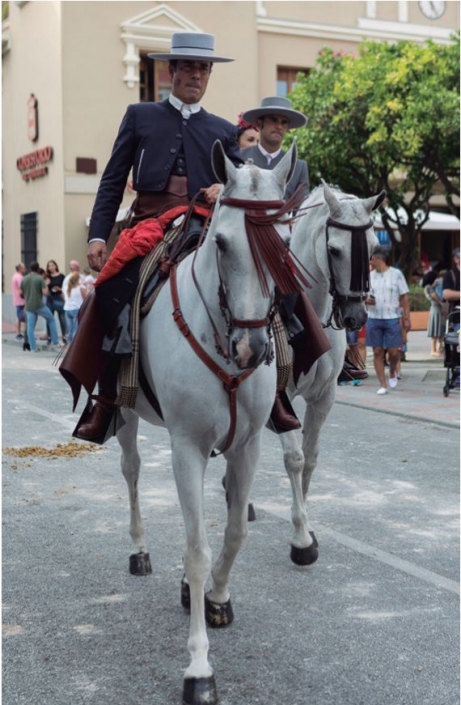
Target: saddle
[[107, 324]]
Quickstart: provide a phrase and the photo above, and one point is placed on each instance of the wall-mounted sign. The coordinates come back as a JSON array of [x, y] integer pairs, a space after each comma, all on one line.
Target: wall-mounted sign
[[32, 166], [32, 118]]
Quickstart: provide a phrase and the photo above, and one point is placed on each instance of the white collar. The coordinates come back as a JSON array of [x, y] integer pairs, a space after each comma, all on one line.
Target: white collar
[[269, 155], [185, 109]]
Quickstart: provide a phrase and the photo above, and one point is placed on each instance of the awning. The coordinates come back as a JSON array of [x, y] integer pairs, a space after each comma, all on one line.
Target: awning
[[436, 221]]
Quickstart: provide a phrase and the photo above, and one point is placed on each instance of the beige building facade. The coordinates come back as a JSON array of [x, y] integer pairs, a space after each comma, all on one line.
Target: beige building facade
[[71, 68]]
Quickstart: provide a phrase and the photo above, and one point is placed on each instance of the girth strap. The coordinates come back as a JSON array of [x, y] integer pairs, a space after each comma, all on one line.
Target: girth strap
[[231, 383]]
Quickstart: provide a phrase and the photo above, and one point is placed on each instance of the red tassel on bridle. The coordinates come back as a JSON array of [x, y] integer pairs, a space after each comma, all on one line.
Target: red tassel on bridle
[[266, 245]]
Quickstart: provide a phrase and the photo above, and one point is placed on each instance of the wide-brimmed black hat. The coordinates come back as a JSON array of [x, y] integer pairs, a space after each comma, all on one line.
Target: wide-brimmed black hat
[[276, 106], [191, 46]]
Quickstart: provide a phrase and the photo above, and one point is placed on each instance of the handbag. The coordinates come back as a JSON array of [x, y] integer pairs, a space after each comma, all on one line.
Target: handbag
[[58, 303]]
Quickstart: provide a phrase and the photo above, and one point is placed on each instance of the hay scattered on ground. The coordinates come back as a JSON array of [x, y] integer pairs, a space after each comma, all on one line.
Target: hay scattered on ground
[[62, 450]]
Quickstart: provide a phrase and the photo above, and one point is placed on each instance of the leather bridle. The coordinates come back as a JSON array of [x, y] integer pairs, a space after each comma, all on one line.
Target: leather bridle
[[231, 382], [357, 231]]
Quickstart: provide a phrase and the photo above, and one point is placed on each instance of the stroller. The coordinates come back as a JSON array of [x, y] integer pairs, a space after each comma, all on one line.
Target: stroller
[[451, 359]]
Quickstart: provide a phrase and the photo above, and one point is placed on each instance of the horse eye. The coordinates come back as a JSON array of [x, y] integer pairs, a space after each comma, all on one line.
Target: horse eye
[[334, 252], [221, 242]]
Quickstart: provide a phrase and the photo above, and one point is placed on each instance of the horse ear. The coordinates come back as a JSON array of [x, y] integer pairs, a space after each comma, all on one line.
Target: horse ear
[[331, 200], [286, 167], [374, 201], [222, 166]]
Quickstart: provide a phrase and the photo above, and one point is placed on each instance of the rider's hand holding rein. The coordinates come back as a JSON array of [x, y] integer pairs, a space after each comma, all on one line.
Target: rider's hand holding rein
[[96, 254], [211, 193]]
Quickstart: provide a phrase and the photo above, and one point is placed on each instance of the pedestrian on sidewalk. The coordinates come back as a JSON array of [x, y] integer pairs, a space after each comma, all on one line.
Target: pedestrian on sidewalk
[[74, 295], [451, 289], [435, 325], [388, 297], [33, 289], [18, 300], [55, 301]]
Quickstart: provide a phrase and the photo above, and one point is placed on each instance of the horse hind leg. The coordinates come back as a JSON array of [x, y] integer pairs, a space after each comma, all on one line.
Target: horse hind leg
[[131, 462], [304, 546]]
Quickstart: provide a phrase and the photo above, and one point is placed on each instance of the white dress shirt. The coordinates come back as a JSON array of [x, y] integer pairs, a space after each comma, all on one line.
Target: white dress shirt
[[269, 155], [186, 109]]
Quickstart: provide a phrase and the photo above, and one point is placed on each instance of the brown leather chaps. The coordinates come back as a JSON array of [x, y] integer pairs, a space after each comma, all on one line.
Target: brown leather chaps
[[84, 360]]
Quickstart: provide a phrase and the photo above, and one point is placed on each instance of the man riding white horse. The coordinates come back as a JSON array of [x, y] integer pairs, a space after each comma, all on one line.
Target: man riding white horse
[[168, 146], [274, 118]]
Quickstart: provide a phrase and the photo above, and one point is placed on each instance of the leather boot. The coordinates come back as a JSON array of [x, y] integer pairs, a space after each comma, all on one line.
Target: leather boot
[[96, 425], [282, 415], [93, 427]]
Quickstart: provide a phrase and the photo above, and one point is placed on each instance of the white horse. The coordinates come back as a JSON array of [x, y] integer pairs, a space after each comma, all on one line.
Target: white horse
[[204, 404], [334, 239]]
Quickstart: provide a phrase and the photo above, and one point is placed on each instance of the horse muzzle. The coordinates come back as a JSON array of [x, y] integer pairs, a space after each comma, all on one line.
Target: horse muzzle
[[249, 347], [354, 315]]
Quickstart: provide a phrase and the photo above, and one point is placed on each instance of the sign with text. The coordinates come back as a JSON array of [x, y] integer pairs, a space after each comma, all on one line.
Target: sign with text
[[32, 166]]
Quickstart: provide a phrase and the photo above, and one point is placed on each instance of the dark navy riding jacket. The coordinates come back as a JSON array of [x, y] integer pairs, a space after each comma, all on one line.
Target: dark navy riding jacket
[[148, 140]]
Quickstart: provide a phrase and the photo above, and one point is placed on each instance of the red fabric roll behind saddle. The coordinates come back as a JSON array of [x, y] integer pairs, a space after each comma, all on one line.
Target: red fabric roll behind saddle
[[140, 240]]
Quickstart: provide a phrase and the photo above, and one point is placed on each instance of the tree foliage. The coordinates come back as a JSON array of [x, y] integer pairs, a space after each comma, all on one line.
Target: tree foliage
[[386, 119]]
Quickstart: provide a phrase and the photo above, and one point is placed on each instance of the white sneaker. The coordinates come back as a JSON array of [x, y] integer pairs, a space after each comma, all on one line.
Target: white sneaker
[[382, 390], [393, 382]]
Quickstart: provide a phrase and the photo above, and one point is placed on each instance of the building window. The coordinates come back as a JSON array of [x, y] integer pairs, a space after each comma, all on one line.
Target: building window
[[154, 79], [286, 80], [29, 226]]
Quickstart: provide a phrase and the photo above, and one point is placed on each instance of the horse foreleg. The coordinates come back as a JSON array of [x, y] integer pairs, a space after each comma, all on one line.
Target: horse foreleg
[[131, 463], [189, 468], [240, 472], [303, 545]]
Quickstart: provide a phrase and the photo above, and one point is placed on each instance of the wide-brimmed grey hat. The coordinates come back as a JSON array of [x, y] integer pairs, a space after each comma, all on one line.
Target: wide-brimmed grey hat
[[191, 46], [276, 106]]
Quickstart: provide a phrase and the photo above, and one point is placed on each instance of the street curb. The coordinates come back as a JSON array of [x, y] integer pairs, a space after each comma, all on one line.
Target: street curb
[[402, 414]]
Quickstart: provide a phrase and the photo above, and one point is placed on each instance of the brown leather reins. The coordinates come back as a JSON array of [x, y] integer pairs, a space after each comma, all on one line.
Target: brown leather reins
[[266, 247], [230, 382]]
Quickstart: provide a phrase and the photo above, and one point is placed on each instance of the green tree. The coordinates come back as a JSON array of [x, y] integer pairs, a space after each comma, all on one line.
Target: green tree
[[386, 119]]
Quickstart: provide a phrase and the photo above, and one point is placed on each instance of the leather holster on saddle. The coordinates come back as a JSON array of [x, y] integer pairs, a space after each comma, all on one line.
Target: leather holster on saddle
[[311, 342]]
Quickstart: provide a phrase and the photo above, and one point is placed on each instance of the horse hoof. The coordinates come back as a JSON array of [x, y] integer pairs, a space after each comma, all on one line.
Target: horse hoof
[[314, 539], [199, 691], [140, 564], [304, 556], [218, 614], [251, 512], [185, 595]]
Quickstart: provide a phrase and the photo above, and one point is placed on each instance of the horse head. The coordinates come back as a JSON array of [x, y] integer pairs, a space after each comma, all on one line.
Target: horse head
[[350, 239], [249, 207]]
